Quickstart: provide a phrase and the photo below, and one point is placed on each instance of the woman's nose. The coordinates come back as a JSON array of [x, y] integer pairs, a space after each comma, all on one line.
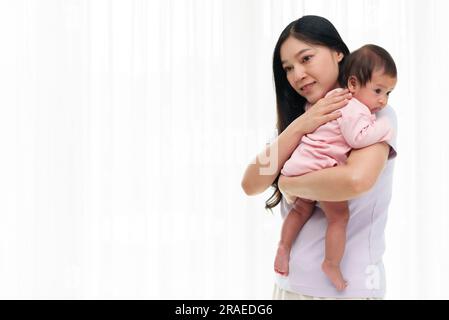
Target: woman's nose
[[299, 73]]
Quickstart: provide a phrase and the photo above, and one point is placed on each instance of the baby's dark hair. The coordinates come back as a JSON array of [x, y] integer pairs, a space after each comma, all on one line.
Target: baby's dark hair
[[362, 62]]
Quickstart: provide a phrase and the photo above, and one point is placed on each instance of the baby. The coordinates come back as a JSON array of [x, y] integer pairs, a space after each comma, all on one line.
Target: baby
[[370, 75]]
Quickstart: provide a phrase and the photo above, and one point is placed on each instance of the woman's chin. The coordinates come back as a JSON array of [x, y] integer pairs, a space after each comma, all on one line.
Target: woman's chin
[[314, 94], [312, 99]]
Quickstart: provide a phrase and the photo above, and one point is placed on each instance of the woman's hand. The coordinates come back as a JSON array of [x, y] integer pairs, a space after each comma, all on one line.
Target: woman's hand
[[282, 188], [323, 111]]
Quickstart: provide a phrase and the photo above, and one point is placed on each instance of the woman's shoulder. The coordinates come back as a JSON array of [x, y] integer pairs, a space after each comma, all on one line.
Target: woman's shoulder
[[389, 112]]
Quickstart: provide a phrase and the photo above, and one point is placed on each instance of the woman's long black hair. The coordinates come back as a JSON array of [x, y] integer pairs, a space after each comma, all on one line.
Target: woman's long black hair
[[289, 104]]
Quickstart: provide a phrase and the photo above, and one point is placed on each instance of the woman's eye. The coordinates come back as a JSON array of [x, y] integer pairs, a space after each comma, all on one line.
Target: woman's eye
[[287, 69], [306, 58]]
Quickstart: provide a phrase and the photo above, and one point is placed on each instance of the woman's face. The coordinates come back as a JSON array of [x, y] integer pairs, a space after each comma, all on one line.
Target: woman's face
[[312, 70]]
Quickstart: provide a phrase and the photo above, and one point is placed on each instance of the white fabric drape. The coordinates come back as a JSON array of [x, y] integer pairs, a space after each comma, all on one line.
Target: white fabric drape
[[125, 128]]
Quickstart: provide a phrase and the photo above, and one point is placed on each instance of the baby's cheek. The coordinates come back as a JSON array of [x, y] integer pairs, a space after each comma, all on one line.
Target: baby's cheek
[[367, 102]]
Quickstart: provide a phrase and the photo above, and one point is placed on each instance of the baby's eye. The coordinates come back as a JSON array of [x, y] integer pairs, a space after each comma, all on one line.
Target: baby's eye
[[378, 91], [388, 93]]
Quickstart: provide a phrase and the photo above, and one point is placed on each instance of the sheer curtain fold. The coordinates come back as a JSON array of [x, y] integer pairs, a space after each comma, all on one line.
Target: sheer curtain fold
[[126, 126]]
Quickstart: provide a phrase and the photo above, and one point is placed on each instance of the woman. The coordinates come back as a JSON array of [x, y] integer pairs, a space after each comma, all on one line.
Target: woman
[[306, 65]]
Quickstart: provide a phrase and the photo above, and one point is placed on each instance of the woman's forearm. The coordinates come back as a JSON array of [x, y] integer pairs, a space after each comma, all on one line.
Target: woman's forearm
[[332, 184], [343, 182], [262, 171]]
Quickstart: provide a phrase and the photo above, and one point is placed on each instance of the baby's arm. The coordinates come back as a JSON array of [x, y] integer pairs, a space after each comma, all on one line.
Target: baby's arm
[[360, 128]]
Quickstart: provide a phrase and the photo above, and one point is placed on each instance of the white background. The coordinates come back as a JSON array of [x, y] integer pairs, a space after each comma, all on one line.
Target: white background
[[126, 126]]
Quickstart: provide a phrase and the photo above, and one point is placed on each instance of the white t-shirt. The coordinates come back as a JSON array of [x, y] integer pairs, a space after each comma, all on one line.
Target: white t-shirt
[[362, 264]]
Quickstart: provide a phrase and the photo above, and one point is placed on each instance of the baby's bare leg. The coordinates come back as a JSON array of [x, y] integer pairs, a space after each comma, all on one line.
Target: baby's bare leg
[[296, 218], [337, 214]]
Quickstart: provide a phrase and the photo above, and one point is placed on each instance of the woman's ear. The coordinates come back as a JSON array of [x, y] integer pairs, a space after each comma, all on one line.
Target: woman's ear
[[352, 84]]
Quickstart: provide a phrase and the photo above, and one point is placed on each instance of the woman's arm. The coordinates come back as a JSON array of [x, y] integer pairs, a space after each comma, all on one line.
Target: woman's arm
[[339, 183], [262, 171]]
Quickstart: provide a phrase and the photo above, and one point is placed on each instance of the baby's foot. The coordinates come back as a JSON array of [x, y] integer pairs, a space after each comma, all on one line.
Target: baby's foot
[[281, 260], [334, 274]]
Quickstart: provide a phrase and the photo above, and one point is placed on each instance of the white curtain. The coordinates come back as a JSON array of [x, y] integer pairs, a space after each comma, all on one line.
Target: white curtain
[[126, 125]]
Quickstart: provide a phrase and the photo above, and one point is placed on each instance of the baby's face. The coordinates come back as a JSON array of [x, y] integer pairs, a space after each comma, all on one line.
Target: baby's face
[[375, 93]]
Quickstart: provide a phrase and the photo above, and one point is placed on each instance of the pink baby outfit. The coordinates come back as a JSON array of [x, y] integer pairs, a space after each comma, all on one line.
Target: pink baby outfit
[[329, 145]]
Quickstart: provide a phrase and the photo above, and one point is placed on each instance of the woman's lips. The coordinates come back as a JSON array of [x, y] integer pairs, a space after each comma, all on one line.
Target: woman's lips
[[307, 87]]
